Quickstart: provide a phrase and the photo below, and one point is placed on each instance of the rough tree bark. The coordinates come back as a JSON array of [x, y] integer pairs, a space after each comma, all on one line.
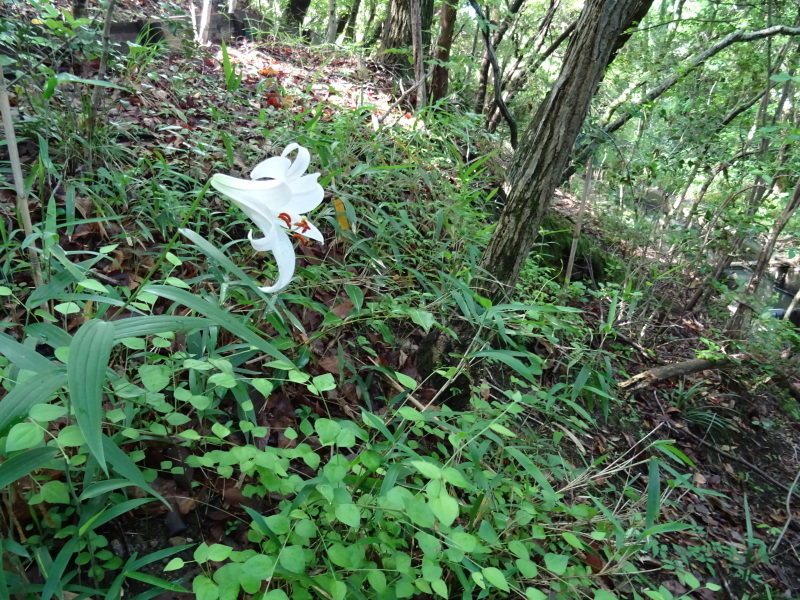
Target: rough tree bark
[[545, 149], [396, 33], [447, 25]]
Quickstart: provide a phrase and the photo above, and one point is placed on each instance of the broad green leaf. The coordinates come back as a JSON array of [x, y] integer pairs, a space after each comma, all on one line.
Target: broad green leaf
[[293, 559], [495, 576], [324, 383], [556, 563], [47, 412], [24, 464], [427, 469], [604, 595], [527, 567], [19, 401], [327, 430], [445, 507], [204, 588], [55, 492], [534, 594], [349, 514], [24, 435], [572, 540], [89, 355], [440, 587], [377, 580], [464, 541], [422, 318]]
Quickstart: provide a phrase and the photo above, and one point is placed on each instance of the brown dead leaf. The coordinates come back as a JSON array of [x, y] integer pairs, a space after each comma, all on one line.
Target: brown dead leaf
[[343, 309]]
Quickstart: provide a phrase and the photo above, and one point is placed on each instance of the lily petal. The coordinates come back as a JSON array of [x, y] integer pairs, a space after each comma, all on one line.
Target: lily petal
[[307, 194], [300, 163], [307, 230], [275, 167], [281, 247], [254, 196]]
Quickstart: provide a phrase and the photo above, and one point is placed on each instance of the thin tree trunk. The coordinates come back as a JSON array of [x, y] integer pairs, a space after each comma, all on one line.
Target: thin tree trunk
[[500, 32], [330, 31], [547, 144], [588, 182], [78, 9], [349, 31], [419, 53], [205, 19], [520, 75], [447, 26], [295, 14], [101, 72], [498, 76]]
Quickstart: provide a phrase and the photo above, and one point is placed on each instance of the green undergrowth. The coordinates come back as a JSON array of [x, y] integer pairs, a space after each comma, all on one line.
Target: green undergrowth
[[149, 371]]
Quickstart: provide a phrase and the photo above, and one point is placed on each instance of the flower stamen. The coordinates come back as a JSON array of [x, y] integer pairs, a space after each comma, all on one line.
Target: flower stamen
[[286, 219]]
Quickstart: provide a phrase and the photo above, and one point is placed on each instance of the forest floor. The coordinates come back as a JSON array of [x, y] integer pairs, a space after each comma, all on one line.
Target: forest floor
[[727, 422]]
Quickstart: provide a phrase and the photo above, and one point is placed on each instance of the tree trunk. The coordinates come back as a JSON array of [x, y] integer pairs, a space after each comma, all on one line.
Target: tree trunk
[[205, 19], [350, 30], [330, 31], [545, 150], [419, 53], [295, 14], [396, 34], [447, 25]]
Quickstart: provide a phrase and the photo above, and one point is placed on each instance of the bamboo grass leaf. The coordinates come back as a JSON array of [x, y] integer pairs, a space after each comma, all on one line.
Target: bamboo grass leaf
[[89, 354]]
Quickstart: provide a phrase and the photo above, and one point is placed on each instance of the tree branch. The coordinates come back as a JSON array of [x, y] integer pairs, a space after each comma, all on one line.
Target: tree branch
[[498, 98]]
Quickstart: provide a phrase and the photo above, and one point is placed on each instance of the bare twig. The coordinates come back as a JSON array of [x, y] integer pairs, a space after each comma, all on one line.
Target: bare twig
[[498, 96]]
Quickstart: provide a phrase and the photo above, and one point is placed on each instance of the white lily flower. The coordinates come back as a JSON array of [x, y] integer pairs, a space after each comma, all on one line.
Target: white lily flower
[[275, 199]]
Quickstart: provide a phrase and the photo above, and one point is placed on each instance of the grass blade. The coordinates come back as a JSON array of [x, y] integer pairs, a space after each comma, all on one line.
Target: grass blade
[[28, 394], [23, 357], [89, 354], [139, 326], [653, 495], [23, 464], [219, 316]]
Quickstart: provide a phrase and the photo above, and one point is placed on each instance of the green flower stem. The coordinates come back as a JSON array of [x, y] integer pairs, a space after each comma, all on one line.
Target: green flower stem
[[167, 248]]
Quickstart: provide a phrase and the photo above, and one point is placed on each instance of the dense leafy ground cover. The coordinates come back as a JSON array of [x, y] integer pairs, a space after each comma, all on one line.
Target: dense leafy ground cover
[[169, 430]]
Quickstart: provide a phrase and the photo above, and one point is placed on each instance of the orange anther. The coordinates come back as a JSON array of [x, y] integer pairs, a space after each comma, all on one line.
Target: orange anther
[[300, 237], [303, 225], [286, 219]]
